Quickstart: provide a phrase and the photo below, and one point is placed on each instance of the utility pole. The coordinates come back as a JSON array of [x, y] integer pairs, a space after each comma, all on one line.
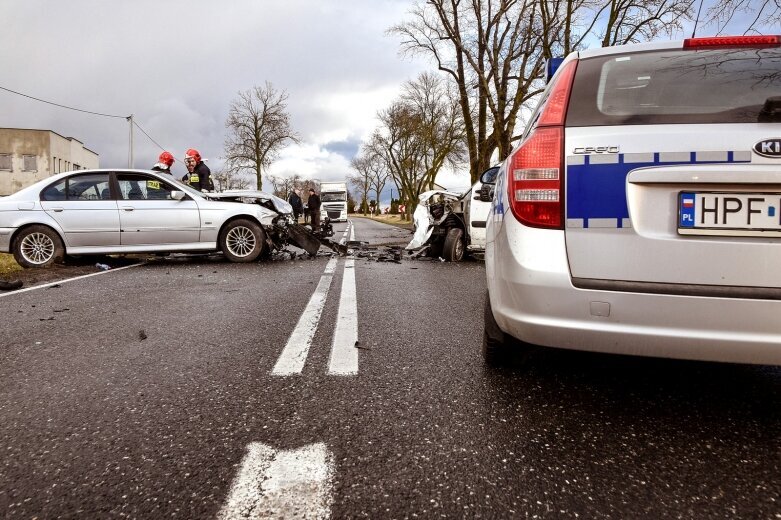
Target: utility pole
[[130, 155]]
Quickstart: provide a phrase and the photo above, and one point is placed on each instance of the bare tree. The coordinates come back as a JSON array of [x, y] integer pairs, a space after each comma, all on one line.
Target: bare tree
[[227, 179], [284, 185], [493, 54], [495, 50], [361, 179], [379, 178], [372, 171], [759, 12], [420, 133], [258, 128], [632, 21]]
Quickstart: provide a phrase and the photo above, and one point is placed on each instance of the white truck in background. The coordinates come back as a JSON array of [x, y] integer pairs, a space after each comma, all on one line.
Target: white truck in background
[[333, 199]]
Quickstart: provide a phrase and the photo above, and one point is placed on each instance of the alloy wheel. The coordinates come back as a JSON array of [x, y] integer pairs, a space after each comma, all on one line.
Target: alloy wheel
[[241, 241], [37, 248]]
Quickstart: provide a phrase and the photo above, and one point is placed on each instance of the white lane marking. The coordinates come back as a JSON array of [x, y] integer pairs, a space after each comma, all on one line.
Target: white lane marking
[[344, 354], [347, 230], [50, 284], [282, 484], [293, 357]]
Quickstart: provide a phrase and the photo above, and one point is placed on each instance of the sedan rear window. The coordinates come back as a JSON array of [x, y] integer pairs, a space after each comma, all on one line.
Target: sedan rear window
[[678, 86]]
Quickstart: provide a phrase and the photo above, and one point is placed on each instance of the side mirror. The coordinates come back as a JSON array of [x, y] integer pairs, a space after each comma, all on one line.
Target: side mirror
[[178, 195], [489, 176]]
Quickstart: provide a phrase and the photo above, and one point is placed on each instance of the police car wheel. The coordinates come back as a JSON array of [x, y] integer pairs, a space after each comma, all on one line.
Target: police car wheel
[[500, 349], [453, 249], [242, 240], [38, 246]]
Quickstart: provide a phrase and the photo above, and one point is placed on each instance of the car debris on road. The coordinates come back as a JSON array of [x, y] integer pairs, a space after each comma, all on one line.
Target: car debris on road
[[10, 286]]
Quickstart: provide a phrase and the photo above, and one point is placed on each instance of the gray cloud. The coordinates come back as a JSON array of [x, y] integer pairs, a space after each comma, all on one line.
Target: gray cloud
[[347, 149], [177, 65]]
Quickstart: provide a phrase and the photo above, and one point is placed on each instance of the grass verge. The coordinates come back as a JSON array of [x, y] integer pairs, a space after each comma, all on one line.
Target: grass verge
[[8, 264], [393, 220]]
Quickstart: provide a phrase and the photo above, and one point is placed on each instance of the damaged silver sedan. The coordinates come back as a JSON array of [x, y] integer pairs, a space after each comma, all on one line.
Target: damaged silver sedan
[[138, 211]]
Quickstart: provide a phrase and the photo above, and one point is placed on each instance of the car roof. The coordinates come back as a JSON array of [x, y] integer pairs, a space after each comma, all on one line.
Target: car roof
[[57, 176], [630, 48]]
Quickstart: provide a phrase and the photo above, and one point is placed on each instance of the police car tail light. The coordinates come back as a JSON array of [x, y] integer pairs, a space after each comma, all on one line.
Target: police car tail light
[[537, 166], [732, 41], [535, 179], [556, 105]]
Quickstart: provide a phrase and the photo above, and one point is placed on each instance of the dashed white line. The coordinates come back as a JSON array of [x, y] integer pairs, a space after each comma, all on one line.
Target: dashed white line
[[344, 355], [293, 357], [348, 229], [282, 484]]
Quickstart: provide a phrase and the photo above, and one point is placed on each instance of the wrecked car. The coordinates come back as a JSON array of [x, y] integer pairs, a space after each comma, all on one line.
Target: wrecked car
[[450, 225], [139, 211]]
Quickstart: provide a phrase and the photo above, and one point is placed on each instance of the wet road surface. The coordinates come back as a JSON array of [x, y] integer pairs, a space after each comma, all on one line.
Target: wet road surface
[[150, 392]]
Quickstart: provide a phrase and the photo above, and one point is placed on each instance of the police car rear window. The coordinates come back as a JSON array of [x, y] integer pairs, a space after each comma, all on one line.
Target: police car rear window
[[678, 87]]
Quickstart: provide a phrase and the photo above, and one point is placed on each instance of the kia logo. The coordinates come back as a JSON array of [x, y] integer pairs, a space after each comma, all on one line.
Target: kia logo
[[769, 148]]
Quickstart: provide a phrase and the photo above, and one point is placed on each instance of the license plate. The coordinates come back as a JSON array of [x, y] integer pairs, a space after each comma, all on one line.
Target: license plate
[[729, 214]]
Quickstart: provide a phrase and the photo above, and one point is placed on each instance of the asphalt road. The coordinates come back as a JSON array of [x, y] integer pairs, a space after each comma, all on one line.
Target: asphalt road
[[145, 392]]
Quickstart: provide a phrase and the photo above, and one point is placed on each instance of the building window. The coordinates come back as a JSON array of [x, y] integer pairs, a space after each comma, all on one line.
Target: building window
[[5, 161], [30, 163]]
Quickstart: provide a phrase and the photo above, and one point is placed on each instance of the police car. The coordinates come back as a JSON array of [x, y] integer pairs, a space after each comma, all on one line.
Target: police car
[[641, 211]]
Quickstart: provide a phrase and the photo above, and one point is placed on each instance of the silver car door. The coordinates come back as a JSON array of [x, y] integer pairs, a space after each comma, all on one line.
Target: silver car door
[[149, 216], [83, 206]]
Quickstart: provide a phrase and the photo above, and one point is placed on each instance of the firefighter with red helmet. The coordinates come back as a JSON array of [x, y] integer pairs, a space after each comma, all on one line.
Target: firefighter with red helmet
[[164, 163], [199, 175]]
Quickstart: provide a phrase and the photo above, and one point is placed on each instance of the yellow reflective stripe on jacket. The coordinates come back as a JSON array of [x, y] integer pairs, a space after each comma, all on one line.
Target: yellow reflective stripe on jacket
[[194, 178]]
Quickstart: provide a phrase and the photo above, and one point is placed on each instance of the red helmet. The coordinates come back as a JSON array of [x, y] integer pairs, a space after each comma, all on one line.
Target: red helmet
[[192, 152], [166, 158]]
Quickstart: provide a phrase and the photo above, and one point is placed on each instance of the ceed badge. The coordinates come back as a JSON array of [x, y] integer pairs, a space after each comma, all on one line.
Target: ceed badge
[[769, 148]]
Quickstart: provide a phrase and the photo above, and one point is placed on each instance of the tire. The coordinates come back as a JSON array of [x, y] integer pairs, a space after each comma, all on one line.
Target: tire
[[500, 349], [242, 241], [38, 246], [453, 249], [435, 248]]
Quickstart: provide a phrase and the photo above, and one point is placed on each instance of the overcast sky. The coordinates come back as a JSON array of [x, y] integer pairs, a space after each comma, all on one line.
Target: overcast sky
[[176, 65]]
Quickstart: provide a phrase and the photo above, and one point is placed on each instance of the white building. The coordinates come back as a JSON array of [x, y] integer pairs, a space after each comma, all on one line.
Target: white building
[[27, 156]]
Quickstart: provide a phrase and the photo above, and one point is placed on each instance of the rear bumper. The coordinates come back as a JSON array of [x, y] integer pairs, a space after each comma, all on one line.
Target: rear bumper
[[533, 299]]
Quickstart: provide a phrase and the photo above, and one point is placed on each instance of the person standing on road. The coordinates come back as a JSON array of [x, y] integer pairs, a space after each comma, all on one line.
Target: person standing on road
[[295, 201], [314, 209], [199, 173], [164, 163]]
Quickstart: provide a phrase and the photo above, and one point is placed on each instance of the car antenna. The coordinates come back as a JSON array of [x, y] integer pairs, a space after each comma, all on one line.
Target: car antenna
[[696, 20]]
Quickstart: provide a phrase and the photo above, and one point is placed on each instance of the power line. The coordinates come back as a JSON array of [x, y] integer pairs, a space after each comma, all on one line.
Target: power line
[[149, 136], [127, 118], [62, 106]]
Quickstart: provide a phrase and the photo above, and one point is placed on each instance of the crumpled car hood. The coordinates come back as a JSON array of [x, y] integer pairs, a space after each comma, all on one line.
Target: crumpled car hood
[[423, 219], [281, 205]]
